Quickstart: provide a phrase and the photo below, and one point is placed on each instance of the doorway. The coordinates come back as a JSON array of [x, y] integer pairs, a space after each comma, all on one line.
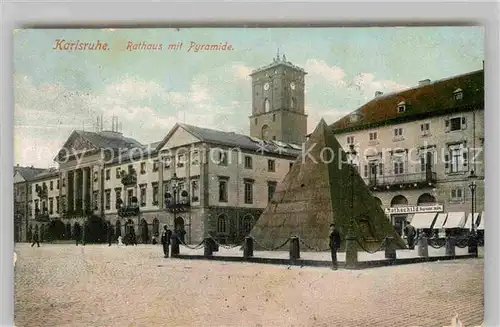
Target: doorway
[[179, 228]]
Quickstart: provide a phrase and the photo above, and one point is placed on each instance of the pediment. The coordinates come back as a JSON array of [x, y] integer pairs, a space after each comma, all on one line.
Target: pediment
[[18, 178], [76, 144]]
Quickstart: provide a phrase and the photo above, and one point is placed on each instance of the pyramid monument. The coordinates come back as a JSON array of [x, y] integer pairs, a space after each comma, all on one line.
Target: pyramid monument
[[318, 191]]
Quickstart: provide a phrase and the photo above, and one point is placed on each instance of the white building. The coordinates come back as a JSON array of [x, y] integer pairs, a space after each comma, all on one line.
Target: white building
[[418, 147]]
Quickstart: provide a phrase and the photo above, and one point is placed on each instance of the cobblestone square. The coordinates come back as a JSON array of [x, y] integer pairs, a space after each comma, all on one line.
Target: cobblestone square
[[97, 285]]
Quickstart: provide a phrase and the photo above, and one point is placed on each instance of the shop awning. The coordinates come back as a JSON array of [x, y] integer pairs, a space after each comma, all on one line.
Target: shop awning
[[481, 223], [423, 220], [469, 215], [441, 218], [455, 220]]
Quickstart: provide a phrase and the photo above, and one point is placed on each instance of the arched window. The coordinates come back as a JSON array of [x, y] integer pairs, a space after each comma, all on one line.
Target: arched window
[[265, 132], [156, 227], [426, 198], [222, 224], [266, 105], [399, 199], [379, 202], [247, 224]]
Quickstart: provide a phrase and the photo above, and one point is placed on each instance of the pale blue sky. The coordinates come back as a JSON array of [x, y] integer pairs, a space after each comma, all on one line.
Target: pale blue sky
[[59, 91]]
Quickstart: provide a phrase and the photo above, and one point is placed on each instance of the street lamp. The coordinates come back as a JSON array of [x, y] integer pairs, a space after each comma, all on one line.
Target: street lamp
[[472, 236], [351, 246]]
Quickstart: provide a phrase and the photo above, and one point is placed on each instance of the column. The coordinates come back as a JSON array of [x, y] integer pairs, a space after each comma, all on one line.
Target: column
[[85, 187], [75, 190]]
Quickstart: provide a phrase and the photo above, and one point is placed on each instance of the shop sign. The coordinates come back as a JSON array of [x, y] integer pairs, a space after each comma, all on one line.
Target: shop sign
[[413, 209]]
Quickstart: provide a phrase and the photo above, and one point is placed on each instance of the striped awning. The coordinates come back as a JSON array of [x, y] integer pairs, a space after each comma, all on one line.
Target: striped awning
[[469, 217], [423, 220], [441, 218], [481, 223], [455, 220]]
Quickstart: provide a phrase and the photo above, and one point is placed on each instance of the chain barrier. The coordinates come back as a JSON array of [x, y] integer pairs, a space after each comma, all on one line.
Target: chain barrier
[[312, 248], [272, 249], [196, 247], [382, 244], [462, 242], [435, 243], [228, 247]]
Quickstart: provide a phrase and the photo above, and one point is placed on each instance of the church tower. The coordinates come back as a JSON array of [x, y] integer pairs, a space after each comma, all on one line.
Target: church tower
[[278, 102]]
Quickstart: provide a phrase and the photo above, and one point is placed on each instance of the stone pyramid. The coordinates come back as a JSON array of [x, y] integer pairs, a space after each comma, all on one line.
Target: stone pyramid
[[317, 191]]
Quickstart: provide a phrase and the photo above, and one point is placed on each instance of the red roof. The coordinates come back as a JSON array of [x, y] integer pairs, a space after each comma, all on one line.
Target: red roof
[[432, 99]]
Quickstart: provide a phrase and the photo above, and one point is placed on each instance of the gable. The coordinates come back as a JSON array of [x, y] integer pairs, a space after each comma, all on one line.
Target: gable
[[75, 144], [180, 137], [18, 178]]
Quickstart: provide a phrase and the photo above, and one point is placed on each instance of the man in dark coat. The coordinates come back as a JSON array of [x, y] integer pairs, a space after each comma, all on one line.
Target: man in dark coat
[[410, 235], [165, 240], [35, 239], [334, 244], [109, 234]]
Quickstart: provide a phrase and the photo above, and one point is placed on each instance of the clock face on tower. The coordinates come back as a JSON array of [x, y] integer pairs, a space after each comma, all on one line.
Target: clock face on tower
[[292, 85], [266, 86]]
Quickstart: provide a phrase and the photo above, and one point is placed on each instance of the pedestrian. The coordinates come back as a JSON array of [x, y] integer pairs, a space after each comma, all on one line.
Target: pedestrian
[[165, 240], [133, 237], [410, 235], [109, 233], [35, 239], [334, 245]]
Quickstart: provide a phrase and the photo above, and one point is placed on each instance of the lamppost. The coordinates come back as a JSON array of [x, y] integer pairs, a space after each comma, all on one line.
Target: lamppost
[[351, 246], [173, 205], [472, 235]]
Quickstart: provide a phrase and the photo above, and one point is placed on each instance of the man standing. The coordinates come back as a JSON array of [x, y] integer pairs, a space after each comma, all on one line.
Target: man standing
[[410, 235], [109, 233], [35, 240], [165, 240], [334, 244]]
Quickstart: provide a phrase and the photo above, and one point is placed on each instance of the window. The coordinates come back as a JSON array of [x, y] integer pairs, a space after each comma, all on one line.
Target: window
[[155, 166], [107, 199], [63, 182], [456, 159], [96, 201], [155, 194], [37, 205], [401, 107], [455, 124], [248, 192], [365, 171], [274, 117], [373, 136], [51, 185], [57, 184], [143, 168], [143, 196], [167, 161], [118, 196], [181, 159], [458, 94], [194, 191], [398, 133], [222, 158], [422, 163], [271, 165], [248, 162], [255, 121], [51, 206], [118, 172], [63, 203], [266, 105], [398, 167], [222, 190], [381, 169], [271, 188], [350, 140], [108, 174], [130, 195], [425, 129], [57, 204], [457, 194], [195, 160], [221, 224]]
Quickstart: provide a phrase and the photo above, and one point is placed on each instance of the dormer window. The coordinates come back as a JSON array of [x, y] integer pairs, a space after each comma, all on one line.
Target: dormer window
[[354, 117], [458, 94], [401, 107]]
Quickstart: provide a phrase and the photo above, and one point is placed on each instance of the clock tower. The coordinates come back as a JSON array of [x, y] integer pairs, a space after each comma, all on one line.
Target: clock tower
[[278, 102]]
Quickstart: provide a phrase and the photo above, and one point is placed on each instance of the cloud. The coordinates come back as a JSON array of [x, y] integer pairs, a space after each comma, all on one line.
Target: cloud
[[319, 69]]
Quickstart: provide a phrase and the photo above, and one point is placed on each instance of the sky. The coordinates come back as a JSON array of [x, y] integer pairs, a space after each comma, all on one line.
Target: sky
[[58, 91]]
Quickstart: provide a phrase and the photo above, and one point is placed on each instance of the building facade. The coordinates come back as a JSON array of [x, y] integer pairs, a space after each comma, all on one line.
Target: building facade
[[418, 148]]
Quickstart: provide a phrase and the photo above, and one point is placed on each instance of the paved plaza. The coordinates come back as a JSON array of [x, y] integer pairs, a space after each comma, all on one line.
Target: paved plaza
[[97, 285]]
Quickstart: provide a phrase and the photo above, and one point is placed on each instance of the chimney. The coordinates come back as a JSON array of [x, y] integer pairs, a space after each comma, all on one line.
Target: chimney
[[378, 93], [424, 82], [17, 165]]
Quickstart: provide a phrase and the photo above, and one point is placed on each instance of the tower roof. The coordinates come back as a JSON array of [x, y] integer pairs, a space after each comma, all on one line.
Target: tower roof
[[278, 61]]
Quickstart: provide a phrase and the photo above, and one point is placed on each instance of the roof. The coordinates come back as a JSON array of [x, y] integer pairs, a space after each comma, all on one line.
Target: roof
[[236, 140], [278, 61], [47, 174], [424, 101], [28, 173], [105, 139]]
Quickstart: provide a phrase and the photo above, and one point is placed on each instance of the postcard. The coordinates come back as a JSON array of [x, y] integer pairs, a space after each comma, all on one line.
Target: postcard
[[249, 176]]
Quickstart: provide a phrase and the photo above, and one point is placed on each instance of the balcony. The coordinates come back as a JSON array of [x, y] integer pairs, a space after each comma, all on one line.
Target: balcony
[[132, 209], [177, 203], [402, 181]]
